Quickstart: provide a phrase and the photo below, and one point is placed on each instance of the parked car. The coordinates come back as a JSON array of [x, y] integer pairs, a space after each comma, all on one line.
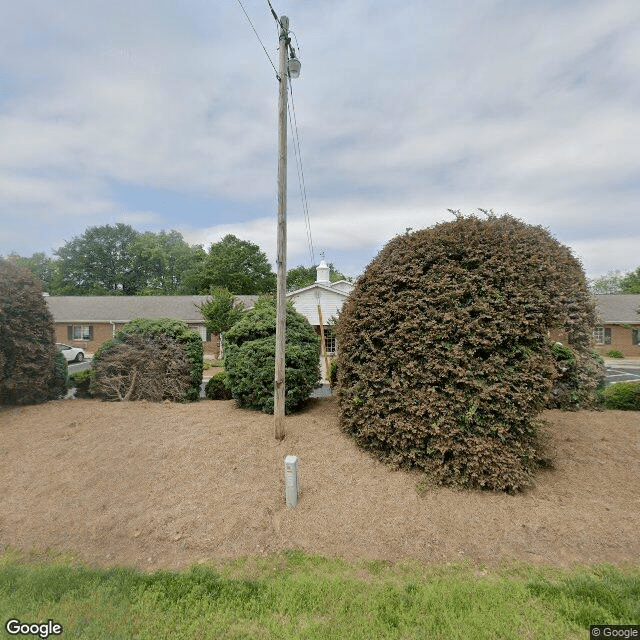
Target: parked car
[[71, 354]]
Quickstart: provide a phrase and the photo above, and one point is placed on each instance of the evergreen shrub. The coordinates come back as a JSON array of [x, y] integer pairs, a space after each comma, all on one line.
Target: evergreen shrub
[[250, 347], [30, 368], [578, 376], [218, 387], [83, 381], [622, 395], [150, 359], [614, 353], [445, 362]]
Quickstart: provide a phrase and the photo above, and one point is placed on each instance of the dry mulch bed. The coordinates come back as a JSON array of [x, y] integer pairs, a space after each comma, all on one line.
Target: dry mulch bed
[[167, 485]]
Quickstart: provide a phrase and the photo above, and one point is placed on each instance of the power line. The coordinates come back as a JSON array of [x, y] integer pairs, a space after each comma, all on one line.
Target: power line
[[303, 188], [257, 36]]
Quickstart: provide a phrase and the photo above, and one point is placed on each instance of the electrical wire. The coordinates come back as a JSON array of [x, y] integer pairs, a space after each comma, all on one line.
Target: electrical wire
[[257, 36], [303, 188]]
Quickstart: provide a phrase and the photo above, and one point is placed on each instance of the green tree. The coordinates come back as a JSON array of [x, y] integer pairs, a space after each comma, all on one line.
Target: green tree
[[608, 283], [238, 265], [99, 262], [41, 267], [161, 259], [221, 311], [631, 282], [300, 276]]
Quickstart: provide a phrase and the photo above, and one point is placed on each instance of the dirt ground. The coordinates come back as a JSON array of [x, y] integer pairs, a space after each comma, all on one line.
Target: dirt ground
[[168, 485]]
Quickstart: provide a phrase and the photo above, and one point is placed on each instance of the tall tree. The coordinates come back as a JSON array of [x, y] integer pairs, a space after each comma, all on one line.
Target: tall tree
[[161, 259], [631, 282], [300, 276], [608, 283], [240, 266], [41, 267], [99, 262]]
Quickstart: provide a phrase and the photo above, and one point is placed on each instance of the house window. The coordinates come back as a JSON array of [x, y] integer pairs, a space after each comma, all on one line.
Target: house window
[[635, 336], [200, 329], [80, 332], [602, 335], [329, 343]]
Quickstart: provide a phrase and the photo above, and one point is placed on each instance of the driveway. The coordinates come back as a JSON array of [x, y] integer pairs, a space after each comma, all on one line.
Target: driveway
[[622, 373]]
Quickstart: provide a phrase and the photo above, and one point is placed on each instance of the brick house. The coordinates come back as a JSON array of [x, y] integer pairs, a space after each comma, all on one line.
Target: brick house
[[88, 321], [619, 328]]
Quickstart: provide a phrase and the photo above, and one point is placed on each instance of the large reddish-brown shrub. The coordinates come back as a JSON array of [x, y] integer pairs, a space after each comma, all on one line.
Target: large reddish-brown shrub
[[444, 354], [31, 370]]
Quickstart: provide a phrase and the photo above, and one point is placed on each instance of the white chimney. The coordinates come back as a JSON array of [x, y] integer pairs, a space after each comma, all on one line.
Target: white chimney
[[323, 273]]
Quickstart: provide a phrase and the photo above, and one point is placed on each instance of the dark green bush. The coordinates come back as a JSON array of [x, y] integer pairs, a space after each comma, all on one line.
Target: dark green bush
[[83, 381], [30, 369], [444, 360], [60, 375], [152, 359], [578, 375], [622, 395], [218, 387], [249, 348], [333, 374], [614, 353]]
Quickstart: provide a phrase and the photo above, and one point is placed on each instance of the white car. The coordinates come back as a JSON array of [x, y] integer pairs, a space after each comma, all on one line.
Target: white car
[[71, 354]]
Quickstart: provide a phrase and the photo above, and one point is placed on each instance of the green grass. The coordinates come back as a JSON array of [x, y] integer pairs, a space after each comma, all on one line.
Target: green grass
[[294, 595]]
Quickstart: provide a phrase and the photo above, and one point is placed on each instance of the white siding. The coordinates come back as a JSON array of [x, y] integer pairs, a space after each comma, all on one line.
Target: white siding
[[306, 303]]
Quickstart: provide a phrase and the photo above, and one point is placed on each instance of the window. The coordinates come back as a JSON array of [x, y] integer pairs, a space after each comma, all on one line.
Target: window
[[80, 332], [329, 343], [602, 335], [635, 336]]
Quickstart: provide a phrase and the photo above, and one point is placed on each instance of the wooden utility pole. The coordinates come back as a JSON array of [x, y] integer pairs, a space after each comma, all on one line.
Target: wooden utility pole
[[281, 301]]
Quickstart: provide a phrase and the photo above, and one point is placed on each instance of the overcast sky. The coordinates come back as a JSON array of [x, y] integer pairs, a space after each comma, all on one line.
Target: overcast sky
[[163, 114]]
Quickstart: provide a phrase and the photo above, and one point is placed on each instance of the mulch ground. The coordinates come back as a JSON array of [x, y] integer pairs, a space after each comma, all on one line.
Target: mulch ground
[[167, 485]]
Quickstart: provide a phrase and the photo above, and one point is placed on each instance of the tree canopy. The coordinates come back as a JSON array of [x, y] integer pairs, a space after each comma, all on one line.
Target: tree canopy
[[617, 282], [238, 265], [221, 311]]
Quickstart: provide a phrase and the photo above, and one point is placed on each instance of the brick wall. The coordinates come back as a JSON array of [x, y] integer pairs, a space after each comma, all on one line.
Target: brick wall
[[103, 331], [620, 341]]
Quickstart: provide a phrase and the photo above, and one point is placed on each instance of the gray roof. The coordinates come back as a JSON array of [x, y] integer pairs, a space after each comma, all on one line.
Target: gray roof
[[618, 308], [85, 309]]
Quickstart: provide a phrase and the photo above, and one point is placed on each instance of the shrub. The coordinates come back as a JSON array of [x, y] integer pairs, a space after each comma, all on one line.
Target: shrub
[[84, 383], [218, 387], [578, 375], [622, 395], [444, 357], [60, 374], [333, 374], [159, 359], [250, 347], [30, 369], [614, 353]]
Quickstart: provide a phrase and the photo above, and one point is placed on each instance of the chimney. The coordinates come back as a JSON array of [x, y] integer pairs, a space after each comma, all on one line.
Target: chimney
[[323, 273]]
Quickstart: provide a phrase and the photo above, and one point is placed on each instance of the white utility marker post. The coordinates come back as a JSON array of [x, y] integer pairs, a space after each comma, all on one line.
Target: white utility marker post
[[286, 68], [291, 485]]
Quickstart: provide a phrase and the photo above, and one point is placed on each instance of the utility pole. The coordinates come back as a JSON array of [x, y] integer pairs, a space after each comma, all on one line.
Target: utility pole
[[281, 301]]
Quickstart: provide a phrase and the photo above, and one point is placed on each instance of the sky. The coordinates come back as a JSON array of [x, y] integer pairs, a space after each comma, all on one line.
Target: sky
[[163, 115]]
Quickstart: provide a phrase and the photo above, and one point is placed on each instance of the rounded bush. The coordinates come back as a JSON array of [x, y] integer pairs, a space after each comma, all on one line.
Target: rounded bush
[[218, 387], [249, 362], [614, 353], [622, 395], [444, 360], [30, 370], [150, 359]]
